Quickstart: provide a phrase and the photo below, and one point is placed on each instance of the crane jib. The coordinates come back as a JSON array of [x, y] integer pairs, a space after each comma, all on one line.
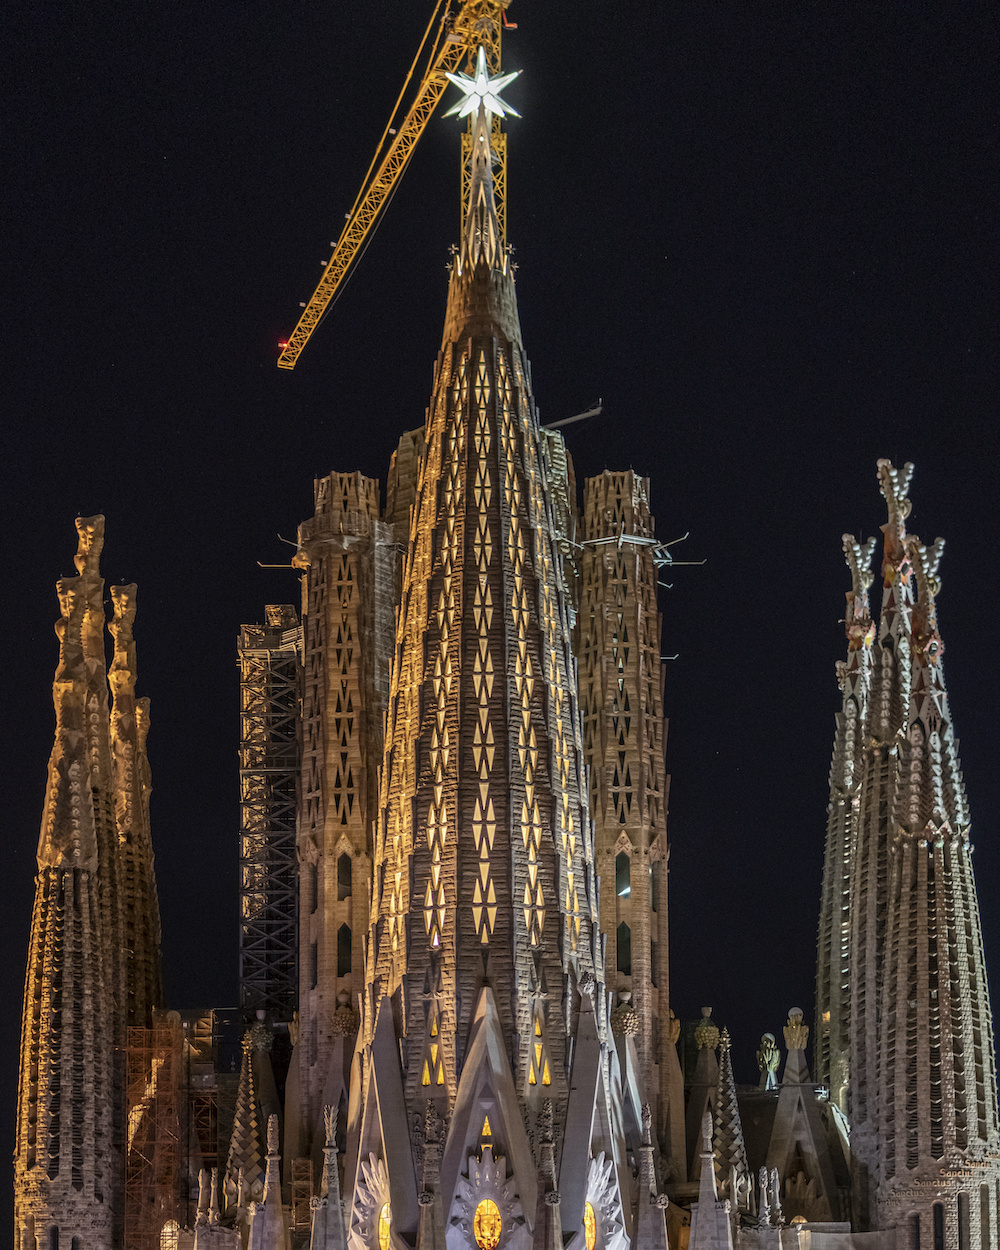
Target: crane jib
[[476, 23]]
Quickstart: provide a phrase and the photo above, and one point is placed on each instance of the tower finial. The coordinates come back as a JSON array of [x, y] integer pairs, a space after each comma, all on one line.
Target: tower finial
[[895, 486], [482, 238], [859, 559], [481, 91]]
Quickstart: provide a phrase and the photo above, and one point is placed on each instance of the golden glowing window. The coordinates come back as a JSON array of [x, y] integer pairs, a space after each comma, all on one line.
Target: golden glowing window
[[487, 1225], [589, 1226], [384, 1227]]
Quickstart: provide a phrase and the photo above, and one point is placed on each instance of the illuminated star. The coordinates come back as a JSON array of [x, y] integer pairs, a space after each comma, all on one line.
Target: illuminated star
[[481, 90]]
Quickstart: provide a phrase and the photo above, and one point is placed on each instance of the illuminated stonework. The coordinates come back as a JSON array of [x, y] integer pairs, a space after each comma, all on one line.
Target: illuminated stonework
[[910, 1050], [621, 691], [95, 899], [493, 844], [589, 1226], [487, 1225], [347, 555]]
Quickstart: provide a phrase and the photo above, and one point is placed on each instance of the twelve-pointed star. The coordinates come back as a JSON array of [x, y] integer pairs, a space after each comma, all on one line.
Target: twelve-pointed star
[[482, 89]]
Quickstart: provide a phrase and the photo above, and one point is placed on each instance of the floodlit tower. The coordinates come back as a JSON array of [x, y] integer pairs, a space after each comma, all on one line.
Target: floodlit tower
[[483, 981], [94, 893], [888, 699], [906, 1031], [833, 967], [621, 692], [937, 1165], [348, 557]]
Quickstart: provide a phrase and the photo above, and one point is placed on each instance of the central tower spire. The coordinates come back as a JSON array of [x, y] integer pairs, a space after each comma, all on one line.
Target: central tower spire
[[484, 907], [481, 292]]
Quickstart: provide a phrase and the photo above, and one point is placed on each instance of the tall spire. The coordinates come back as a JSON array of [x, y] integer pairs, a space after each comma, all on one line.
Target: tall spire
[[140, 907], [887, 706], [68, 1161], [939, 1134], [244, 1169], [711, 1225], [728, 1146], [650, 1231], [328, 1211], [833, 962], [921, 1077], [483, 858], [268, 1218], [621, 683], [481, 298]]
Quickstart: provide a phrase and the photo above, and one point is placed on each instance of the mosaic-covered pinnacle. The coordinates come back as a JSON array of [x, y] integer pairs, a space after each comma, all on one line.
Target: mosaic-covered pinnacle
[[481, 90]]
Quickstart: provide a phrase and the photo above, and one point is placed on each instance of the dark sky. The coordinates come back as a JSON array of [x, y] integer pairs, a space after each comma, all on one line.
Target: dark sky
[[763, 234]]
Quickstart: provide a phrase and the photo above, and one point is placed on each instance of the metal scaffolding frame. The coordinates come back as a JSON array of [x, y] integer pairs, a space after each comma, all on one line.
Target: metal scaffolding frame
[[152, 1180], [269, 661], [302, 1193]]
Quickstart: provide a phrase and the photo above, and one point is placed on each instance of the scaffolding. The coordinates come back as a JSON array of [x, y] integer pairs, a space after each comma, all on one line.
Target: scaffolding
[[302, 1193], [152, 1174], [269, 765]]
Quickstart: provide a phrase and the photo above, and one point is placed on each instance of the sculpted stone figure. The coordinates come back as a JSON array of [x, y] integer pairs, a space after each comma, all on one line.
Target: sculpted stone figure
[[796, 1033], [767, 1062]]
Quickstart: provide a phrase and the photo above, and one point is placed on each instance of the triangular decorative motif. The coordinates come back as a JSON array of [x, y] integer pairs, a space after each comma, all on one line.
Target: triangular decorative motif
[[486, 1091], [384, 1145]]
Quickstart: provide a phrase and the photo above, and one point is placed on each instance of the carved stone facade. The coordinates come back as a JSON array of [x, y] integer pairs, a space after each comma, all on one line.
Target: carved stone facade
[[909, 1051], [93, 960], [484, 872], [621, 695], [347, 554], [833, 966]]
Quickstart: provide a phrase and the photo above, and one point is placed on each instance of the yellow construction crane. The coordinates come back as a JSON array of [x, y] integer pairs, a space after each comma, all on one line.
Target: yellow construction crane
[[456, 30]]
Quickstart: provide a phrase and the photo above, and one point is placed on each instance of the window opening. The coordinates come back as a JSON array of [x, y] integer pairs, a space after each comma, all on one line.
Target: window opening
[[624, 950], [344, 951], [623, 875]]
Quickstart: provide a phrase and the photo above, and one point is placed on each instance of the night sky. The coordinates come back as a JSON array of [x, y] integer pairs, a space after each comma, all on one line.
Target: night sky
[[762, 234]]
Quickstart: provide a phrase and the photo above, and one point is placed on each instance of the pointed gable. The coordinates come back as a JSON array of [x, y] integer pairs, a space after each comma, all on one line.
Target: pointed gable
[[486, 1090]]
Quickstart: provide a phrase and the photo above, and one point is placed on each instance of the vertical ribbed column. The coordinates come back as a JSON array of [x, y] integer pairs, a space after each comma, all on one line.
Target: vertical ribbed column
[[68, 1171], [833, 948], [481, 789], [140, 906], [348, 556], [885, 727], [621, 684], [938, 1129]]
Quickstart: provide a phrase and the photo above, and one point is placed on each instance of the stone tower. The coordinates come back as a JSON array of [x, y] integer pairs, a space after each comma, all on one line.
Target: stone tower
[[483, 1081], [451, 953], [347, 555], [913, 1043], [621, 693], [833, 960], [95, 898], [483, 915]]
